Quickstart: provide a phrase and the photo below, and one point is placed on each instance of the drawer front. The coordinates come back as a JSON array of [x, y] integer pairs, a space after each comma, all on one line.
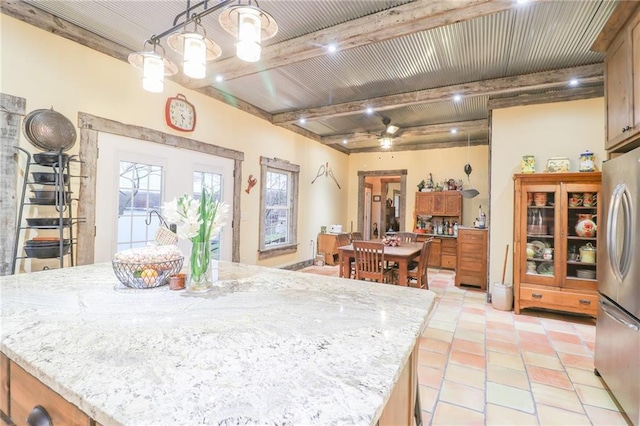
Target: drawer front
[[27, 392], [449, 247], [448, 261], [471, 237], [575, 302]]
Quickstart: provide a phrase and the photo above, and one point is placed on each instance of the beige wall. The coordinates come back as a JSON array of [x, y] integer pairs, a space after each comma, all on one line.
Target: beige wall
[[48, 70], [562, 129], [441, 163]]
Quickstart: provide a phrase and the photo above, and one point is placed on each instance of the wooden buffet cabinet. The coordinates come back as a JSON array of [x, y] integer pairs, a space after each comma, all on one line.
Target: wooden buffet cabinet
[[328, 244], [546, 216], [441, 205]]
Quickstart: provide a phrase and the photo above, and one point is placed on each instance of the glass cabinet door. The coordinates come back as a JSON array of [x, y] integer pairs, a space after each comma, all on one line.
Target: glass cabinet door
[[581, 201], [541, 240]]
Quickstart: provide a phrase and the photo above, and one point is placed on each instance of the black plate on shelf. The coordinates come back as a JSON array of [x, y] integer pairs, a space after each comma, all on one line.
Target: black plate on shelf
[[49, 178], [46, 252], [49, 158], [52, 222]]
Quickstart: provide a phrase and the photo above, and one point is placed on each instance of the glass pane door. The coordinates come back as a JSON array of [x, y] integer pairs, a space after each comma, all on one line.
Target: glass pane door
[[581, 232], [541, 240]]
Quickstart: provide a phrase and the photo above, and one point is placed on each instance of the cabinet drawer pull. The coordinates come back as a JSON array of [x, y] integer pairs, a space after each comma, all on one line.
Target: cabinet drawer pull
[[39, 417], [584, 301], [536, 295]]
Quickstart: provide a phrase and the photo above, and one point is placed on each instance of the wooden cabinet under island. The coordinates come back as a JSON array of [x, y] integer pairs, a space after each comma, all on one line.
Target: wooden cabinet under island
[[471, 267], [555, 241], [264, 346]]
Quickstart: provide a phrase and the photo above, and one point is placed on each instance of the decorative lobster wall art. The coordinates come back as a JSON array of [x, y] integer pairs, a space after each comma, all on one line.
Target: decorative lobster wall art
[[251, 183]]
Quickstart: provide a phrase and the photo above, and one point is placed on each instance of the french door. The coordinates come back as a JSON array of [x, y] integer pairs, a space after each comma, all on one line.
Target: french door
[[135, 178]]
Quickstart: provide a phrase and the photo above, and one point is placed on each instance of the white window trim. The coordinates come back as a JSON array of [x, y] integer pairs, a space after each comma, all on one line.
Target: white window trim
[[279, 165]]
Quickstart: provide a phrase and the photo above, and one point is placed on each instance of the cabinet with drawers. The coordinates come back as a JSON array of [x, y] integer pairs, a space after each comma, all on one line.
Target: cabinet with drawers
[[472, 258], [23, 396]]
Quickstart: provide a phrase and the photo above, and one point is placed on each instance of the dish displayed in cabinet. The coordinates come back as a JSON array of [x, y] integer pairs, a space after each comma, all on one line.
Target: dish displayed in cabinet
[[545, 268]]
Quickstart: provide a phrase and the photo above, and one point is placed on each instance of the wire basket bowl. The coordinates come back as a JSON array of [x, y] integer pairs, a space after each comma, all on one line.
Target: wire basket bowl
[[148, 274]]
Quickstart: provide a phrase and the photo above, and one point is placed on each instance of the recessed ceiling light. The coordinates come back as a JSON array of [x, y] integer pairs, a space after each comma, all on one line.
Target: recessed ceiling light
[[523, 1], [219, 78], [369, 110], [573, 82], [302, 120], [454, 131], [332, 48], [457, 98], [344, 141]]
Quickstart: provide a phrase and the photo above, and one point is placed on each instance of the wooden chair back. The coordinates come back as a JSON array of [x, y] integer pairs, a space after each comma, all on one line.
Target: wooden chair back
[[407, 237], [342, 240], [356, 236], [369, 260], [423, 265]]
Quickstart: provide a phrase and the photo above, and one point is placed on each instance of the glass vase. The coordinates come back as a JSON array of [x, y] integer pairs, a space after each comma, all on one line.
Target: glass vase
[[203, 270]]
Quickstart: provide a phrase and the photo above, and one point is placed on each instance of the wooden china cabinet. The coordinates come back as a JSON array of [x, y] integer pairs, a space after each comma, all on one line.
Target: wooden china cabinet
[[555, 241]]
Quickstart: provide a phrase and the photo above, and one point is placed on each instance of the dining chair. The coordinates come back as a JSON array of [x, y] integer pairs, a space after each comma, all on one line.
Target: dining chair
[[356, 236], [370, 262], [419, 274], [407, 237], [342, 240]]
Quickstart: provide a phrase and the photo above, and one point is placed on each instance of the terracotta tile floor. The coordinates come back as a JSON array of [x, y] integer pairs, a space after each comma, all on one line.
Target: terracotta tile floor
[[480, 365]]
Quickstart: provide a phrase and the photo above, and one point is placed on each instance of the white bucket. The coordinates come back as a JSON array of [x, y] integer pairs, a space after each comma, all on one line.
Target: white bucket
[[502, 296]]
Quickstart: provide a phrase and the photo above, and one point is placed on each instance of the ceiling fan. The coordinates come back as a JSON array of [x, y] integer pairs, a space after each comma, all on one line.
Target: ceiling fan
[[389, 132]]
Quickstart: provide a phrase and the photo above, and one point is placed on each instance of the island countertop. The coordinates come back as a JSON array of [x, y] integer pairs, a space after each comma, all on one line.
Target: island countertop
[[265, 346]]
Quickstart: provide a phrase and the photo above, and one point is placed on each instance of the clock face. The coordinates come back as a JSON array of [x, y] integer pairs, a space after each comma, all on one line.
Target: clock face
[[180, 114]]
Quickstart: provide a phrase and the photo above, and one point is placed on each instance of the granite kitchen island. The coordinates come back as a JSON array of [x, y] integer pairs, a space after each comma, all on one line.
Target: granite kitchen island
[[266, 346]]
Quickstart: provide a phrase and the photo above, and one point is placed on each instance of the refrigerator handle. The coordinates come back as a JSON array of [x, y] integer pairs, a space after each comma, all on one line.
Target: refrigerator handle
[[629, 232], [612, 229], [616, 318]]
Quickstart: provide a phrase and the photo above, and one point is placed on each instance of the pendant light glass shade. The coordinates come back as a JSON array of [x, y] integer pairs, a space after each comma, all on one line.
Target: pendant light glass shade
[[248, 45], [386, 141], [152, 72], [154, 67], [196, 49], [195, 56], [251, 26]]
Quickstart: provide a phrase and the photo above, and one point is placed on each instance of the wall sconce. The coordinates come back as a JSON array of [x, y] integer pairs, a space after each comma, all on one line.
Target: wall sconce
[[247, 23], [250, 25], [153, 65]]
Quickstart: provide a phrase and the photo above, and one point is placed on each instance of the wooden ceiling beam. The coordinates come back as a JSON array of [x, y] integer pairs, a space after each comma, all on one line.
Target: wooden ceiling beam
[[421, 146], [547, 98], [586, 74], [400, 21], [411, 132]]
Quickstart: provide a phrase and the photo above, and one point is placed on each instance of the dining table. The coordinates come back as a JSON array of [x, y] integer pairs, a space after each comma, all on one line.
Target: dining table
[[401, 255]]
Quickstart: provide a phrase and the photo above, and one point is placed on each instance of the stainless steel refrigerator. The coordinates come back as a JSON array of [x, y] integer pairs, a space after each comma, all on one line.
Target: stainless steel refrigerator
[[617, 352]]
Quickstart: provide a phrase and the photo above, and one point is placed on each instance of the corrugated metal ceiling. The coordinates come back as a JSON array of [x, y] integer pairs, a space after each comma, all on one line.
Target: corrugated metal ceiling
[[523, 40]]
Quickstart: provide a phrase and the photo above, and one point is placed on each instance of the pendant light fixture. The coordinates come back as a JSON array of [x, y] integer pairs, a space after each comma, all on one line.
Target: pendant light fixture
[[251, 26], [386, 140], [196, 49], [246, 22], [154, 66], [471, 192]]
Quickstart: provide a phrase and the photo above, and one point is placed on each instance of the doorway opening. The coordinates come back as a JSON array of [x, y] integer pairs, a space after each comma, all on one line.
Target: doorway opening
[[381, 201]]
